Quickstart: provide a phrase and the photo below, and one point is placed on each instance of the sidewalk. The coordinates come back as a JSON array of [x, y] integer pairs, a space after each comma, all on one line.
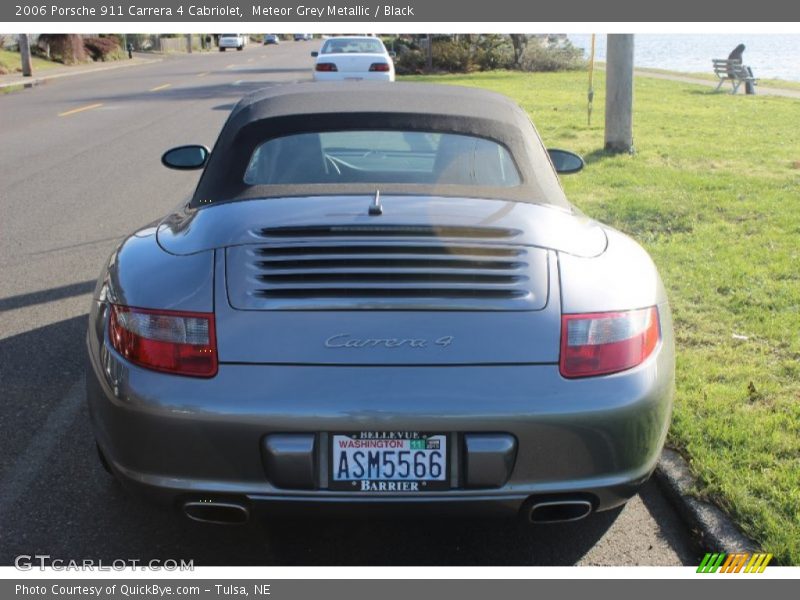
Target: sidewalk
[[761, 90], [16, 79]]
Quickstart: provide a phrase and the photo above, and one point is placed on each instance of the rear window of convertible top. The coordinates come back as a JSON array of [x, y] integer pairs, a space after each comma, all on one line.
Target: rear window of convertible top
[[402, 157]]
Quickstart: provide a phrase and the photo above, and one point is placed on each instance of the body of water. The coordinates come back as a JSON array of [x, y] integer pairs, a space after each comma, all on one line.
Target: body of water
[[769, 55]]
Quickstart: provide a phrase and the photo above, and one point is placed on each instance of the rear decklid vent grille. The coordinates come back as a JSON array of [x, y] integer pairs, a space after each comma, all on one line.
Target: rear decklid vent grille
[[387, 267], [446, 231]]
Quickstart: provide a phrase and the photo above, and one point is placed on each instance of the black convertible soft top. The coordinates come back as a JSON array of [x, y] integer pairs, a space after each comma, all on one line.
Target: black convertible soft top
[[340, 106]]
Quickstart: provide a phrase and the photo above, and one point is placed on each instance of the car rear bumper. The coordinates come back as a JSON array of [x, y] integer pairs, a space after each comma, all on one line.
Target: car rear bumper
[[178, 438], [353, 76]]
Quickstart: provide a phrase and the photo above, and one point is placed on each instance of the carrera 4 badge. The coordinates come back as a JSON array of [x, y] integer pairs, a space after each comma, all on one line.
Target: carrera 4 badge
[[345, 340]]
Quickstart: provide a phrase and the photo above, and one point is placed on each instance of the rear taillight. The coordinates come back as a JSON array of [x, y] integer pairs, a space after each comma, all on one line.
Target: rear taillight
[[183, 343], [326, 67], [381, 67], [602, 343]]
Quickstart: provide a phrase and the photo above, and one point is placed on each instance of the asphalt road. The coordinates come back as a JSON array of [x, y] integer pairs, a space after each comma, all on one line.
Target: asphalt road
[[79, 168]]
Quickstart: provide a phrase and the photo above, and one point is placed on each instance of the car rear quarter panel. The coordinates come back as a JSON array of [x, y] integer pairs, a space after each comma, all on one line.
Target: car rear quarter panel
[[140, 273], [622, 278]]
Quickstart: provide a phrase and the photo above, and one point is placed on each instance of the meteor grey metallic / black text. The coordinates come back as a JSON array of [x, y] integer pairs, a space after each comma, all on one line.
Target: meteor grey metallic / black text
[[379, 296]]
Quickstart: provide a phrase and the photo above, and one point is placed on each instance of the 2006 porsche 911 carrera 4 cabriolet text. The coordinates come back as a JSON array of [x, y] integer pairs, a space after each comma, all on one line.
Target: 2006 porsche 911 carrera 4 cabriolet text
[[379, 295]]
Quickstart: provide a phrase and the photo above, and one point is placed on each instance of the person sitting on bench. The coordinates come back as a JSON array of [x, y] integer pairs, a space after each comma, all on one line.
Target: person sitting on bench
[[736, 54]]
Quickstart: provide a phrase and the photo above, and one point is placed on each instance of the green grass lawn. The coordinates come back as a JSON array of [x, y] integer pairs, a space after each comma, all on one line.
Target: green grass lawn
[[713, 193], [11, 63]]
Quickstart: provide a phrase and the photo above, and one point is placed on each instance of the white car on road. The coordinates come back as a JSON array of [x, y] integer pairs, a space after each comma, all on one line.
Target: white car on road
[[232, 40], [353, 58]]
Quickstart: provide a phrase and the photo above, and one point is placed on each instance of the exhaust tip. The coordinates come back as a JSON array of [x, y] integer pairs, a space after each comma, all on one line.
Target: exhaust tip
[[218, 513], [559, 511]]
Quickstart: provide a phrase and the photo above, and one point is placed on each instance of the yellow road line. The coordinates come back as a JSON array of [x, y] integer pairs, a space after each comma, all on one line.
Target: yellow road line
[[160, 87], [230, 66], [81, 109], [203, 74]]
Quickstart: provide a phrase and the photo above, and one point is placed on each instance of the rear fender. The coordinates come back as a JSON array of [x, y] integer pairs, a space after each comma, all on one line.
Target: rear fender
[[622, 278], [140, 273]]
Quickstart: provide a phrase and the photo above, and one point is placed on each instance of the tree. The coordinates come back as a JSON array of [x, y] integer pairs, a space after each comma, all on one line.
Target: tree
[[519, 41], [429, 53]]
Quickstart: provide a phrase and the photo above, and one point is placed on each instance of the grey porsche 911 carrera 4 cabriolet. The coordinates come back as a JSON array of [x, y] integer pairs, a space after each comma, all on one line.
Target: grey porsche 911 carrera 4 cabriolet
[[378, 295]]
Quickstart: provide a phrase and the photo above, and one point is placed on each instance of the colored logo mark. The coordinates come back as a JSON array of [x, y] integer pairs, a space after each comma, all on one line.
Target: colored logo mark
[[734, 563]]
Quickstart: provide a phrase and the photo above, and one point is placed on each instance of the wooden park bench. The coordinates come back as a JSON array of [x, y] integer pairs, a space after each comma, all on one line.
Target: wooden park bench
[[733, 71]]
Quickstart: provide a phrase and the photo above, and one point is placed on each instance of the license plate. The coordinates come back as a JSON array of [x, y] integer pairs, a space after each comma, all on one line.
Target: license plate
[[377, 461]]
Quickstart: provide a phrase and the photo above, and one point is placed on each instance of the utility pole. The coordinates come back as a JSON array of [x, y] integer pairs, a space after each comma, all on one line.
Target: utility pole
[[25, 53], [189, 43], [619, 93]]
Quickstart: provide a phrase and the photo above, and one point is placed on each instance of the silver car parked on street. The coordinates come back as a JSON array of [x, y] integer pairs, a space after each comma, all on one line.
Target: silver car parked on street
[[379, 296]]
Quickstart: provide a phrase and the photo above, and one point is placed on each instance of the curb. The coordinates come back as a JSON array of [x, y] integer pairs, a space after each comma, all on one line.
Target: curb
[[38, 80], [718, 533]]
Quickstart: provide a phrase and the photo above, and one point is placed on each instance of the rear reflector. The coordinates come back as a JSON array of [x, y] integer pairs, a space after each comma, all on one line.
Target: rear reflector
[[326, 67], [382, 67], [603, 343], [183, 343]]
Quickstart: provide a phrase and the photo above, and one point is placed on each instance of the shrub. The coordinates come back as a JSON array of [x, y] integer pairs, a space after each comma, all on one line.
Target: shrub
[[66, 48], [453, 56], [410, 57], [467, 53], [449, 54], [493, 52], [102, 48], [401, 44], [561, 56], [409, 62]]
